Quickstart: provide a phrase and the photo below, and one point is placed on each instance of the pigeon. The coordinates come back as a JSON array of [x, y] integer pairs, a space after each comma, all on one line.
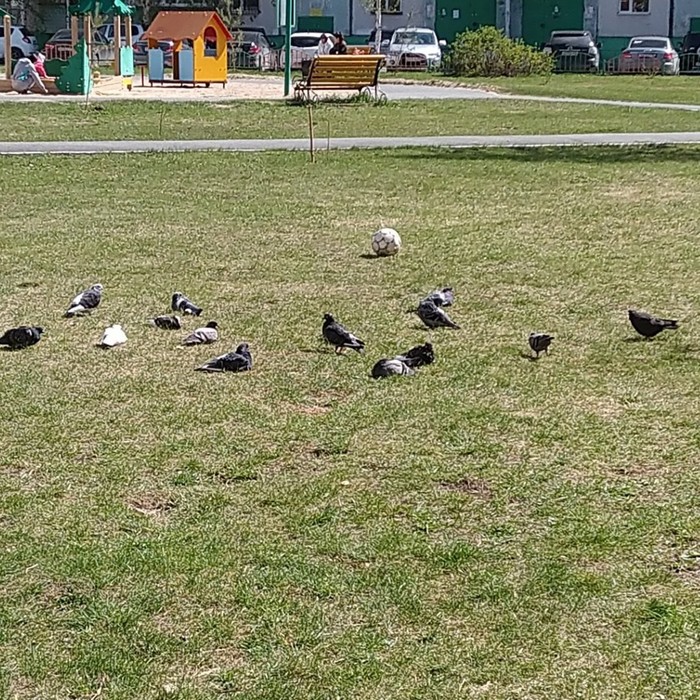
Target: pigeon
[[86, 301], [168, 323], [442, 297], [648, 325], [238, 361], [418, 356], [434, 316], [540, 342], [338, 336], [203, 336], [390, 367], [113, 336], [21, 337], [182, 304]]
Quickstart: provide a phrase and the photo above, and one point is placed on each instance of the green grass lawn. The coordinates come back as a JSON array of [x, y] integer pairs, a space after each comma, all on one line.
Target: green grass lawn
[[493, 527], [684, 89], [153, 120]]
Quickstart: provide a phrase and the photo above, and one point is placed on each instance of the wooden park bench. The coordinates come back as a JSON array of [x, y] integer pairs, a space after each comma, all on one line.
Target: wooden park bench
[[346, 72]]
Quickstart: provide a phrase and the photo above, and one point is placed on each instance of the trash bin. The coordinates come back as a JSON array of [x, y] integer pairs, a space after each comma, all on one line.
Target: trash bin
[[305, 67]]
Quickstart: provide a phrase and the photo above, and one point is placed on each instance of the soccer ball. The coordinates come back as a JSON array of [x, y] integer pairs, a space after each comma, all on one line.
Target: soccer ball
[[386, 241]]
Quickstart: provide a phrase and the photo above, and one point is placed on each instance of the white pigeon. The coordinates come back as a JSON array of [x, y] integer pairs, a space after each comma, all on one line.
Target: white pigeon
[[113, 336]]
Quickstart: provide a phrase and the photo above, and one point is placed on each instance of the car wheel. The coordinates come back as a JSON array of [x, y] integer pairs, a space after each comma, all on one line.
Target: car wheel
[[17, 54]]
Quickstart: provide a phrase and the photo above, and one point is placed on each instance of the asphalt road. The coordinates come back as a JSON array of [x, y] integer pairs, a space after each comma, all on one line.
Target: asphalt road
[[534, 141]]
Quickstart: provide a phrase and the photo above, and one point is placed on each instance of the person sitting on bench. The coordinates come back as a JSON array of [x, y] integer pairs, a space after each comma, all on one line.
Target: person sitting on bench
[[340, 47], [25, 76]]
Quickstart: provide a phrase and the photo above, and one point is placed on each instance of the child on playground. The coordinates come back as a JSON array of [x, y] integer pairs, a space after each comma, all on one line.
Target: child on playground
[[39, 64], [25, 76]]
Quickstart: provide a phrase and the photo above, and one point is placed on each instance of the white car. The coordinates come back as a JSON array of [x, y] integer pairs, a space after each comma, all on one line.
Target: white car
[[650, 54], [415, 48], [107, 31], [23, 43], [304, 47]]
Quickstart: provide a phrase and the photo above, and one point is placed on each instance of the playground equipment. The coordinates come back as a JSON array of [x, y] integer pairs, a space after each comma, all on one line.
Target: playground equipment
[[200, 53]]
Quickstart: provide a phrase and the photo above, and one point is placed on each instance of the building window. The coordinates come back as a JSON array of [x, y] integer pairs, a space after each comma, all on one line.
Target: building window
[[390, 7], [634, 6]]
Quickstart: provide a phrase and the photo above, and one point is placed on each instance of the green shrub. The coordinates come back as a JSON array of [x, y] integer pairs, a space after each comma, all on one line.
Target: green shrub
[[487, 53]]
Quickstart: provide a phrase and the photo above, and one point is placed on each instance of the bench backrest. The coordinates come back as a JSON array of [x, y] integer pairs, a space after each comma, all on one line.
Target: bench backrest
[[345, 70]]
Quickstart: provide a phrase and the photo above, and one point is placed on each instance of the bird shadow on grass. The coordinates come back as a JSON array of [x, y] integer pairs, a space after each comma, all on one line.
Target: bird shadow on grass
[[314, 351], [370, 256], [635, 339], [528, 356]]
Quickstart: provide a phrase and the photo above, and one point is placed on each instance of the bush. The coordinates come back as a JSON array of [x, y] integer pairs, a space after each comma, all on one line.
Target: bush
[[487, 53]]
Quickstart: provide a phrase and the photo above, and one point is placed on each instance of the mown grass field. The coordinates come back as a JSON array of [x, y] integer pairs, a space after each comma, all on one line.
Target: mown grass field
[[681, 89], [493, 527], [158, 120]]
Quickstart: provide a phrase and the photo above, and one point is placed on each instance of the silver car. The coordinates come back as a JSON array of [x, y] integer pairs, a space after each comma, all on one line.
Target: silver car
[[650, 54]]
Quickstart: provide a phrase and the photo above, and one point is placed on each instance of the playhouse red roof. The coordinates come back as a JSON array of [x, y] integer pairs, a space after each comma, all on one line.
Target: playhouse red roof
[[177, 25]]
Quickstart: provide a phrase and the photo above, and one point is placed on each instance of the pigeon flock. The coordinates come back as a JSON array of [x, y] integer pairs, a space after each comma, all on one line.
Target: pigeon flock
[[430, 310]]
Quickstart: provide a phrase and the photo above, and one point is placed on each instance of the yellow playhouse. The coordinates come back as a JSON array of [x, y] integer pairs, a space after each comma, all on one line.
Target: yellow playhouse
[[199, 48]]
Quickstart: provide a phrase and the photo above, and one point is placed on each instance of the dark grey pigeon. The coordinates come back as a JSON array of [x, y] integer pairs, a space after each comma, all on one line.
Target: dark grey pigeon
[[434, 316], [340, 337], [21, 337], [442, 297], [540, 342], [238, 361], [648, 325], [86, 301], [418, 356], [391, 367], [167, 323], [182, 304]]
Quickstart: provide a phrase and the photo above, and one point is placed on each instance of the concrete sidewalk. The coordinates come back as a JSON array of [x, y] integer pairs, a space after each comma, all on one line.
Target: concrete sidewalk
[[534, 141]]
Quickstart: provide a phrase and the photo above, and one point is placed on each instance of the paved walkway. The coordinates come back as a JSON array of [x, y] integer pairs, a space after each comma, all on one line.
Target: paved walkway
[[110, 88], [93, 147]]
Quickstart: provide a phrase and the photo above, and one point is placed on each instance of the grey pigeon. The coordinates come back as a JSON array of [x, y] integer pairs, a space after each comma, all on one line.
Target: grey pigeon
[[406, 364], [391, 367], [648, 325], [238, 361], [21, 337], [182, 304], [167, 323], [86, 301], [203, 336], [418, 356], [540, 342], [442, 297], [434, 316], [340, 337]]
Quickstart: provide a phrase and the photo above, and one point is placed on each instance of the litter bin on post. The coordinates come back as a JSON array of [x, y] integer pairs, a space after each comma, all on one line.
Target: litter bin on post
[[305, 67]]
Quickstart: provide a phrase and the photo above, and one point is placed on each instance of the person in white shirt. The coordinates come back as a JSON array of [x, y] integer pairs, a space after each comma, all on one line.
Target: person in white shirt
[[25, 76], [325, 45]]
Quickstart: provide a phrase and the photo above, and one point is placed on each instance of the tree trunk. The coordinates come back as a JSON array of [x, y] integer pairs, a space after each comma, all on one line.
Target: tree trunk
[[378, 26]]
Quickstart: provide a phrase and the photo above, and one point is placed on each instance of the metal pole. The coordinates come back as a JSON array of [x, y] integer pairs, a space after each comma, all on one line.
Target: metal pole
[[287, 46]]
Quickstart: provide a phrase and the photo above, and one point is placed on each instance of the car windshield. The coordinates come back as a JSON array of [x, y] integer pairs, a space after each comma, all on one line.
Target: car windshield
[[24, 31], [648, 44], [305, 42], [62, 35], [421, 38], [252, 38], [567, 37]]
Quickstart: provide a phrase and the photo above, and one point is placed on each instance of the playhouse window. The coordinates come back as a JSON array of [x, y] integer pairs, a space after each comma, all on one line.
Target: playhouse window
[[634, 6], [210, 41]]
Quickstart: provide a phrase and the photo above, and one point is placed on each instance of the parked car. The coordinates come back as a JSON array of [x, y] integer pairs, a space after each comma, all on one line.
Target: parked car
[[257, 30], [107, 31], [646, 54], [304, 46], [22, 42], [691, 43], [573, 50], [386, 39], [60, 46], [141, 53], [414, 48], [253, 50]]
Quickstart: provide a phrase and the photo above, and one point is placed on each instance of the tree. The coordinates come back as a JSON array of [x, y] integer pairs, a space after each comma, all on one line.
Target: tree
[[375, 6]]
